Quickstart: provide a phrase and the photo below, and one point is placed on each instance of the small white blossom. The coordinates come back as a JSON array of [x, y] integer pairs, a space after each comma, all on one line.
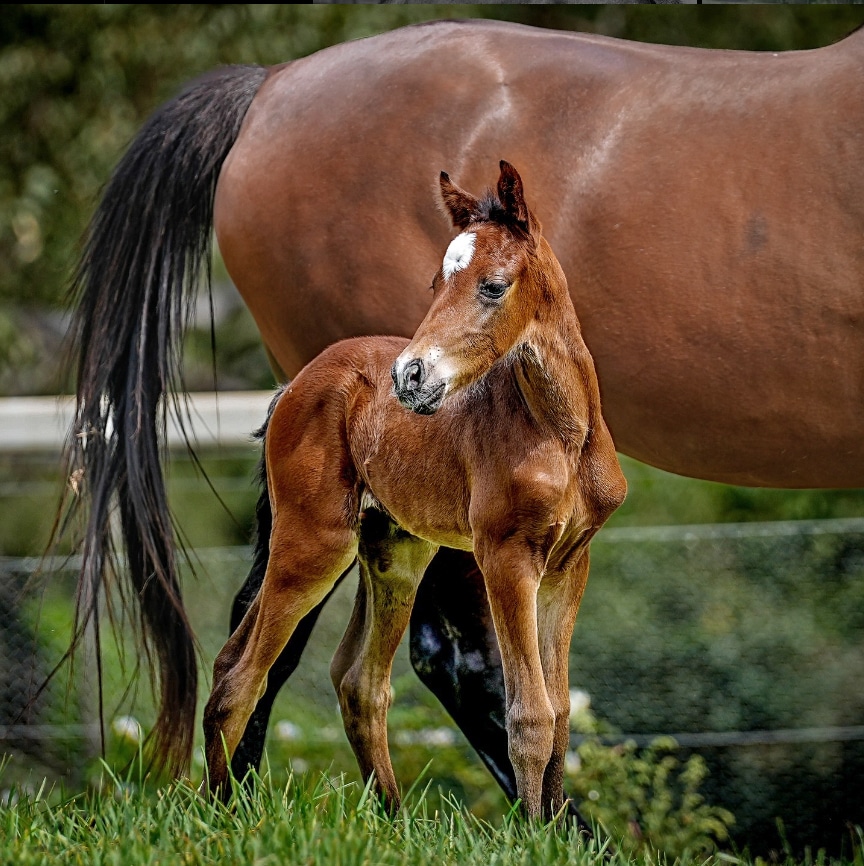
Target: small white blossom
[[287, 731], [127, 728], [437, 737], [579, 702]]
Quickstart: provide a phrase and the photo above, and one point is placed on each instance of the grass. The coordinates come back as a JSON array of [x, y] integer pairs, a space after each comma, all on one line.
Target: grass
[[311, 819], [323, 821]]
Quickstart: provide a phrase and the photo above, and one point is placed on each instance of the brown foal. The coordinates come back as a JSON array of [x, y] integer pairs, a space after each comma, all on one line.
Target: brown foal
[[505, 453]]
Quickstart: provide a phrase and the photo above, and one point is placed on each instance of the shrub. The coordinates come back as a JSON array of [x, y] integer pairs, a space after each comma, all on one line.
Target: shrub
[[646, 798]]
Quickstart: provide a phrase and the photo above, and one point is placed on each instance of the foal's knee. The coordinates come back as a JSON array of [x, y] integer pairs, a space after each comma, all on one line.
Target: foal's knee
[[531, 736]]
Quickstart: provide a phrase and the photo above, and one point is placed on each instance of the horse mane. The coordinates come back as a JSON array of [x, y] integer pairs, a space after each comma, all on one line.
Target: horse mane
[[490, 209]]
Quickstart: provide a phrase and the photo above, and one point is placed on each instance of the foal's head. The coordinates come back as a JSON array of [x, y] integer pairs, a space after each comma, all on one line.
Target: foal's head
[[498, 285]]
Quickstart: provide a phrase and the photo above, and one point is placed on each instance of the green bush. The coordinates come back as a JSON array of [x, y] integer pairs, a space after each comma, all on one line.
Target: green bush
[[648, 798]]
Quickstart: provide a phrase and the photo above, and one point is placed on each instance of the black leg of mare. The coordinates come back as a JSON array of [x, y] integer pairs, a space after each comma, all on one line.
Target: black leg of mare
[[455, 653]]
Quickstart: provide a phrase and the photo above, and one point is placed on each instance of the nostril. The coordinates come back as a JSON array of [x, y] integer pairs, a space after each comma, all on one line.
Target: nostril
[[414, 374]]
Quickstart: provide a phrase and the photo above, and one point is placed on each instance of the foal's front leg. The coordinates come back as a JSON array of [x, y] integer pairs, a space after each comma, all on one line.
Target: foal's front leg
[[392, 564], [512, 578], [454, 651], [557, 605]]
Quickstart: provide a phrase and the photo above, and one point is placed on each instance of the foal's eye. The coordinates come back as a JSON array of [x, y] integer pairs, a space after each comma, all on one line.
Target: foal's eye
[[493, 290]]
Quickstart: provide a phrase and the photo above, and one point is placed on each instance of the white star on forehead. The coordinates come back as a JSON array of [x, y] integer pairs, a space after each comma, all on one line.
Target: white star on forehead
[[459, 254]]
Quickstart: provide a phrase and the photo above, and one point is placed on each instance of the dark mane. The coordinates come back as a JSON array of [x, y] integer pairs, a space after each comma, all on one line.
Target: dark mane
[[489, 209]]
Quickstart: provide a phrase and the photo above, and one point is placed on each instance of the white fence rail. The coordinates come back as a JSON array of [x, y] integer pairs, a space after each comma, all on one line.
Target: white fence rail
[[224, 418]]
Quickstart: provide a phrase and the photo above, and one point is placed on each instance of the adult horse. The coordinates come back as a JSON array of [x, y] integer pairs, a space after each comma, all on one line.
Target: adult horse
[[710, 223]]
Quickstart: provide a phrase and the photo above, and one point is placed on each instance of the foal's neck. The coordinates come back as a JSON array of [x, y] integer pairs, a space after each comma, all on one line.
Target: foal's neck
[[554, 375]]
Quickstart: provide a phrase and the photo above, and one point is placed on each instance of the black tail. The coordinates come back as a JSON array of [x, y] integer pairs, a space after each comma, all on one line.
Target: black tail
[[148, 245]]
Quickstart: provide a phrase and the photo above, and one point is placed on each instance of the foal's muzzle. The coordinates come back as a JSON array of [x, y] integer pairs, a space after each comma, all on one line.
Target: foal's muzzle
[[415, 389]]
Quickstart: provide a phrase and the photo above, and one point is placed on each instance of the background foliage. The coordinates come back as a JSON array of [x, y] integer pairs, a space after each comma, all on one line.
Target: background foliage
[[77, 81]]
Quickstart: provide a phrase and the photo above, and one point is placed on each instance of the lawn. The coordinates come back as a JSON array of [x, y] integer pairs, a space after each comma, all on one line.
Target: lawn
[[687, 634], [310, 819]]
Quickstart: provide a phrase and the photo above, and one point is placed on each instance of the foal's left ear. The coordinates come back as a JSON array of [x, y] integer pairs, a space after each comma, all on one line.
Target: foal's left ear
[[512, 197], [461, 205]]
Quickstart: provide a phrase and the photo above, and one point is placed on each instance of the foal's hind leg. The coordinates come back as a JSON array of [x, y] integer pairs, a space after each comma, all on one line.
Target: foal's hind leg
[[307, 557], [392, 563], [251, 746]]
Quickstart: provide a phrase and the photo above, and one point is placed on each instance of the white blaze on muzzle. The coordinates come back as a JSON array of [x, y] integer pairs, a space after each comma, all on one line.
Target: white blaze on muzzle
[[459, 254]]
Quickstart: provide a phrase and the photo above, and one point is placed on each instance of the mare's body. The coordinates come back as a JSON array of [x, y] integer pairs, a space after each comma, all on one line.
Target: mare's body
[[709, 221]]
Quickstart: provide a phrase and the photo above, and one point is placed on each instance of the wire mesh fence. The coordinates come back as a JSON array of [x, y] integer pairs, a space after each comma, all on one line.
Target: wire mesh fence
[[745, 642]]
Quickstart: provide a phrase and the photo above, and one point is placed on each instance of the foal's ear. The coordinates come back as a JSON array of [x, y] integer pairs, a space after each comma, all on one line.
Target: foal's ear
[[512, 197], [460, 205]]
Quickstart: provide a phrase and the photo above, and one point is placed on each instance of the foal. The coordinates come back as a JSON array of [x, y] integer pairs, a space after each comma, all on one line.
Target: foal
[[504, 452]]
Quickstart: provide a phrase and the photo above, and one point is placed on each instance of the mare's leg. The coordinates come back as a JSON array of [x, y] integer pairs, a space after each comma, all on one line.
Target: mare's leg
[[558, 602], [455, 653], [309, 552], [512, 581], [251, 746], [392, 563]]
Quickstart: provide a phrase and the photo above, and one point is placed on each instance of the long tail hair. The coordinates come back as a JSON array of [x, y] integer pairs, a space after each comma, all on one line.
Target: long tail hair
[[147, 247]]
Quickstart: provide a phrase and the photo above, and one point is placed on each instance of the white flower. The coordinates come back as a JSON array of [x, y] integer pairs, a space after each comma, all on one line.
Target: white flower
[[437, 737], [127, 728], [287, 731], [579, 702]]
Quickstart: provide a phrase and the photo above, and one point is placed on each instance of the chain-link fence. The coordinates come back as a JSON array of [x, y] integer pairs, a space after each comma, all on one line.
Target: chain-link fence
[[46, 727], [743, 641], [746, 643]]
